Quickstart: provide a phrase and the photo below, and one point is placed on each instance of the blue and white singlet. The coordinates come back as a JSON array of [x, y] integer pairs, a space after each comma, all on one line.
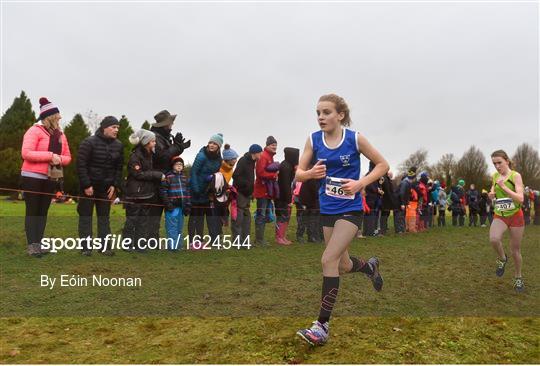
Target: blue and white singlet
[[342, 161]]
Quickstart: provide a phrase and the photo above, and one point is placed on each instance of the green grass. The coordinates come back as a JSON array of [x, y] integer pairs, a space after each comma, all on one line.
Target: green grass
[[441, 303]]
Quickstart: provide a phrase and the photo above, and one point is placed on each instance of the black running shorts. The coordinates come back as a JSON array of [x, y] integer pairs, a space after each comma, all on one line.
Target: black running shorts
[[354, 217]]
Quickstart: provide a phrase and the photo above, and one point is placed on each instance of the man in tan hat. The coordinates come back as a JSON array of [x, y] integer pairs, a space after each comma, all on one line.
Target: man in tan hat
[[167, 146]]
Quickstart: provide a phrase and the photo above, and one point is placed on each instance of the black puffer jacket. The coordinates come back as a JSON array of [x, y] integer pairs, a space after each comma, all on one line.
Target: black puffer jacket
[[244, 175], [99, 162], [389, 198], [286, 174], [165, 149], [143, 180]]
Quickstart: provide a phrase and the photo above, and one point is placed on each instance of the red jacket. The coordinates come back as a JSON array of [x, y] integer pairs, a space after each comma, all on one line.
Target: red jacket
[[423, 193], [35, 150], [266, 159]]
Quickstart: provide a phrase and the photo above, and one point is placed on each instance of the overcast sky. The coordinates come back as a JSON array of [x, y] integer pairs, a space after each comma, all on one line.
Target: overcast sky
[[439, 76]]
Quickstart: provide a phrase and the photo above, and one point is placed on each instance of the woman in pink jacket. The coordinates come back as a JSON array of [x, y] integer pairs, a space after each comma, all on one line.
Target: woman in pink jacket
[[44, 151]]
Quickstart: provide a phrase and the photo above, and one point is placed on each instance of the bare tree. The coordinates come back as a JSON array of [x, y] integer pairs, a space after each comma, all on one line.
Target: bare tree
[[92, 120], [444, 169], [472, 167], [527, 163], [417, 159]]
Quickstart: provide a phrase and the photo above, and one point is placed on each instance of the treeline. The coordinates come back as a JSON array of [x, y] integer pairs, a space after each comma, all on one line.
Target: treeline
[[473, 166]]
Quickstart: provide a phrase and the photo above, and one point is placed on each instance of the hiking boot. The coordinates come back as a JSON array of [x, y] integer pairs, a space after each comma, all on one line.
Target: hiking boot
[[259, 235], [317, 335], [375, 277], [500, 267]]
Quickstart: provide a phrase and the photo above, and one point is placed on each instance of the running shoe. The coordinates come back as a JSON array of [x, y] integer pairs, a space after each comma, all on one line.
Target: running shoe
[[519, 285], [500, 267], [317, 335], [375, 277]]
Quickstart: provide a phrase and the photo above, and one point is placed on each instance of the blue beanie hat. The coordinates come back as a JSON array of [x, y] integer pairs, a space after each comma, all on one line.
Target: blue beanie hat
[[254, 149], [228, 153], [217, 138]]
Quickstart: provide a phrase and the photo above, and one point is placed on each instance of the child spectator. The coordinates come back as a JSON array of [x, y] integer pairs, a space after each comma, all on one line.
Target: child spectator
[[175, 196]]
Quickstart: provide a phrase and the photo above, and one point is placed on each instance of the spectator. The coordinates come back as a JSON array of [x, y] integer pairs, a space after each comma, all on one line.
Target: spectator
[[485, 209], [473, 201], [261, 194], [206, 164], [457, 204], [373, 194], [243, 184], [166, 148], [526, 207], [286, 173], [222, 206], [141, 188], [423, 201], [442, 202], [389, 202], [175, 195], [100, 161], [404, 193], [45, 151]]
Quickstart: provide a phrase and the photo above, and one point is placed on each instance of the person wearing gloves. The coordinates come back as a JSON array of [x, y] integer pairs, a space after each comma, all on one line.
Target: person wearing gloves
[[175, 196], [263, 177], [142, 185], [206, 164], [283, 203], [44, 151], [167, 146], [243, 184], [100, 161]]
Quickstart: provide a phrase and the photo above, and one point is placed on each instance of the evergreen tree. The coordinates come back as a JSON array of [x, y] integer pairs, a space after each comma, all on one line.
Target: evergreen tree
[[16, 120], [123, 136], [146, 126], [75, 132], [10, 168]]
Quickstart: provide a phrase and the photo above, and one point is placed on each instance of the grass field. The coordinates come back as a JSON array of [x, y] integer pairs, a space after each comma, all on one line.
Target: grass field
[[441, 303]]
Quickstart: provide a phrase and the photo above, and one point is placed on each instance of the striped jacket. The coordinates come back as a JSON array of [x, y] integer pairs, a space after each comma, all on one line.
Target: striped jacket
[[175, 191]]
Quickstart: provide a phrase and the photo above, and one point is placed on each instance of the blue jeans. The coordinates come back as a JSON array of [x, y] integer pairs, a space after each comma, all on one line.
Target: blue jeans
[[174, 223], [262, 210]]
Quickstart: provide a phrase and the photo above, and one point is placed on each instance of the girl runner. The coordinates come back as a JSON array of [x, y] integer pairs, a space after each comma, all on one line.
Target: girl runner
[[335, 152], [507, 192]]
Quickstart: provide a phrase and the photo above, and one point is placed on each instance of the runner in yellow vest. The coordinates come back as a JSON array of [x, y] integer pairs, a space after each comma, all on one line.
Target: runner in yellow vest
[[507, 193]]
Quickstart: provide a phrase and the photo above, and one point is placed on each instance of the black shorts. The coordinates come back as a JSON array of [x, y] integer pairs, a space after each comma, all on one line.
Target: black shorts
[[354, 217]]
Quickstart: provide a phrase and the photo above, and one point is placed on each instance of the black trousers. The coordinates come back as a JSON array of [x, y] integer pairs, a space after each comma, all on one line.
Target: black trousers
[[441, 220], [85, 208], [137, 216], [196, 221], [308, 221], [241, 226], [282, 211], [154, 219], [37, 207], [385, 214]]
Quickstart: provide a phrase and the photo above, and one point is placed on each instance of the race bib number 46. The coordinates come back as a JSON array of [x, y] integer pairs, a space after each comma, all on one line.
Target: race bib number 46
[[504, 204], [333, 189]]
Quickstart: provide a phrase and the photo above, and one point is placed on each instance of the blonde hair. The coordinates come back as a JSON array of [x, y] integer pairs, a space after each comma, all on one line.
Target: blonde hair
[[341, 107], [51, 122], [502, 154]]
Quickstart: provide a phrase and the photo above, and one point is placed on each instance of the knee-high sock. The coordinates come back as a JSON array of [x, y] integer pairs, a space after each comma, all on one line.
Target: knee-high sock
[[360, 265], [330, 289]]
